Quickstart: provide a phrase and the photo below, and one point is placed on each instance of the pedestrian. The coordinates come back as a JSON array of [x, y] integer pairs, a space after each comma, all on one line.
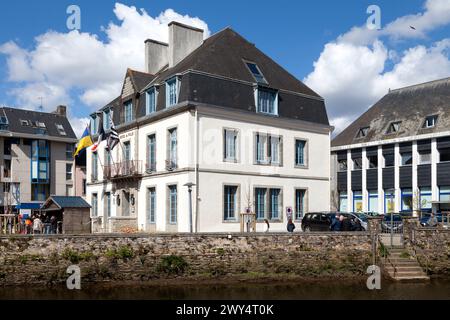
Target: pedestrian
[[37, 225], [290, 226], [54, 225], [47, 225], [346, 224], [336, 224], [28, 225], [266, 226], [432, 222]]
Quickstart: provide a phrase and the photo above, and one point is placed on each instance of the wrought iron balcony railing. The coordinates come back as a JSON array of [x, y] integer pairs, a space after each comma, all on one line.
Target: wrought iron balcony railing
[[123, 169]]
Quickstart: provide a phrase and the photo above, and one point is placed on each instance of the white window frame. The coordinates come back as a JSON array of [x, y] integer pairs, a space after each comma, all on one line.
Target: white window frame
[[147, 100], [275, 105], [177, 91]]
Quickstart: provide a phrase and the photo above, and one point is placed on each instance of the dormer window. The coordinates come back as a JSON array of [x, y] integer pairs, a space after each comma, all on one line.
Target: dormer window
[[267, 101], [430, 122], [94, 125], [107, 119], [394, 127], [362, 133], [24, 123], [151, 101], [61, 130], [172, 92], [4, 123], [256, 72], [128, 111]]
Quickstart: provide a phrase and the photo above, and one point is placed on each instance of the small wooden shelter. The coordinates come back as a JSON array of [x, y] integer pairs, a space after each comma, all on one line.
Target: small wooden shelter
[[73, 212]]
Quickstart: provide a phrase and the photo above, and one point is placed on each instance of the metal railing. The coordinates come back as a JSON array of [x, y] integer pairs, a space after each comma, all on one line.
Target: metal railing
[[123, 169]]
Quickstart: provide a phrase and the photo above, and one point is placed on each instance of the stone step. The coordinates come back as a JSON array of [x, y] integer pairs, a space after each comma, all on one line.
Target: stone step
[[403, 262], [404, 268], [409, 278]]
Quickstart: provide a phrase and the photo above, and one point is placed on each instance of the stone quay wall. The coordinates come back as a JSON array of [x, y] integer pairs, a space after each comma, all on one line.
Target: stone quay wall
[[45, 259], [431, 246]]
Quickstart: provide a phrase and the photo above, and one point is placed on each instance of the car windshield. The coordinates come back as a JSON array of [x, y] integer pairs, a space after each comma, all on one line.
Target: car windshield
[[361, 216]]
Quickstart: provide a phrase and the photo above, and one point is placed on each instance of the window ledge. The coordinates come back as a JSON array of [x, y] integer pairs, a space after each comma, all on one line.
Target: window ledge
[[230, 221], [231, 160], [305, 167]]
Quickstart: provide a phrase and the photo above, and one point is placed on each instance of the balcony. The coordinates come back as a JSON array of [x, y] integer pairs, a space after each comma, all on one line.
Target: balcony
[[127, 169]]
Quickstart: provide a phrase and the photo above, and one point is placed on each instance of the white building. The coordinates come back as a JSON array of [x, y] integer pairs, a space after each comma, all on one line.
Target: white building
[[219, 114], [396, 156]]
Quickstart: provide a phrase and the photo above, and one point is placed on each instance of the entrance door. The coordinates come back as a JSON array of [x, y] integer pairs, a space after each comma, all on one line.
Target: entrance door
[[126, 204]]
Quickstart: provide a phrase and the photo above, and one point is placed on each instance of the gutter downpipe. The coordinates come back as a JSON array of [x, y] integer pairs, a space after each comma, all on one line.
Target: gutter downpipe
[[196, 170]]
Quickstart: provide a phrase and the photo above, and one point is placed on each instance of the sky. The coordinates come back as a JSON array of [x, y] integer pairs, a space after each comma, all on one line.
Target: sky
[[324, 43]]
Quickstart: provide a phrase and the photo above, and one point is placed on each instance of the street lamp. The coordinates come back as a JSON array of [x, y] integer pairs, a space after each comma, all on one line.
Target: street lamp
[[190, 185]]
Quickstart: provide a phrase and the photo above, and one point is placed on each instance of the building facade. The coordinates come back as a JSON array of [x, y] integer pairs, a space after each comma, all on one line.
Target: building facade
[[217, 114], [396, 156], [36, 158]]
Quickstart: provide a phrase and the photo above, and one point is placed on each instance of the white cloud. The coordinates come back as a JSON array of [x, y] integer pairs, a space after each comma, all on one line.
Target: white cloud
[[351, 72], [79, 125], [436, 15], [64, 67]]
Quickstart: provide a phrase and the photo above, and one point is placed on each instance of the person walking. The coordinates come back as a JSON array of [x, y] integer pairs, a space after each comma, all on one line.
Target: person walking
[[290, 226], [266, 226], [346, 224], [433, 221], [54, 225], [37, 225], [336, 224]]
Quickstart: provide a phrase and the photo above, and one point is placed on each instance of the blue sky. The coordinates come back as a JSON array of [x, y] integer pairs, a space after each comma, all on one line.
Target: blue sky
[[294, 33]]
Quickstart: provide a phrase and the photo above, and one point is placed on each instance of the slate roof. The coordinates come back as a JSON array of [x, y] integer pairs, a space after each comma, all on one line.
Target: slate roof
[[68, 202], [50, 120], [218, 76], [410, 105], [223, 54]]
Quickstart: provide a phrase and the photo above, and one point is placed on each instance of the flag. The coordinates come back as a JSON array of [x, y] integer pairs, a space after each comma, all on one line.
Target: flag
[[101, 134], [85, 142], [113, 137]]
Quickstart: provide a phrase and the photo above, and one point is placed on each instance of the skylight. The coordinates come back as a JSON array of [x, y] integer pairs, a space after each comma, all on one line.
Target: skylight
[[362, 133], [256, 72], [394, 127], [61, 130], [430, 122]]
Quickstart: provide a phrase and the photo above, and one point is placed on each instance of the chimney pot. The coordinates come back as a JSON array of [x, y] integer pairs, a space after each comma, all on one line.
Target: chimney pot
[[61, 110]]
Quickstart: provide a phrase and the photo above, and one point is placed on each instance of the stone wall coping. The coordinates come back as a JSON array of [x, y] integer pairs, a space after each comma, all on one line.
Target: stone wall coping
[[186, 235], [122, 218]]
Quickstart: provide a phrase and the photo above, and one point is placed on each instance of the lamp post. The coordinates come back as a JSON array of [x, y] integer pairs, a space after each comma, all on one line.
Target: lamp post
[[190, 185]]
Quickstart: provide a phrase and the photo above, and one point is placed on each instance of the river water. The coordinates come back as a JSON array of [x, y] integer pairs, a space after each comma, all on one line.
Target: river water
[[434, 290]]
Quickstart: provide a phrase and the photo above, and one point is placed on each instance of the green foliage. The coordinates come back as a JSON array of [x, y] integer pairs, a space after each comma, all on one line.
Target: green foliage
[[220, 251], [405, 255], [123, 252], [75, 257], [383, 251], [172, 265]]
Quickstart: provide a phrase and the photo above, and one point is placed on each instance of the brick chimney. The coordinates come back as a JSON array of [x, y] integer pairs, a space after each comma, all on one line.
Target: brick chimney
[[183, 40], [61, 110]]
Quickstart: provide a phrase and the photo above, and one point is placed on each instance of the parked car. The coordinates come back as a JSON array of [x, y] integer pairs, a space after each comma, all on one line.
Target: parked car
[[321, 221], [440, 218], [396, 226], [360, 217], [317, 221]]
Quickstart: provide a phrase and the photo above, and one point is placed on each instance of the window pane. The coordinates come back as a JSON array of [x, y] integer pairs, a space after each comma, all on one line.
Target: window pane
[[230, 202], [274, 204], [267, 101], [300, 152], [373, 201], [357, 164], [260, 203], [343, 202], [299, 204], [230, 145], [357, 201], [407, 200], [406, 159], [425, 198], [173, 204], [389, 160], [275, 149]]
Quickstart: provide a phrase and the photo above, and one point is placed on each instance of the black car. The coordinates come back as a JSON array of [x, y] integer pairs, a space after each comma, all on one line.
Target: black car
[[317, 221]]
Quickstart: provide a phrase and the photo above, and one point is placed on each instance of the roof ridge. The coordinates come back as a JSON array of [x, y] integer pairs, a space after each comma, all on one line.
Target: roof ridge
[[422, 85]]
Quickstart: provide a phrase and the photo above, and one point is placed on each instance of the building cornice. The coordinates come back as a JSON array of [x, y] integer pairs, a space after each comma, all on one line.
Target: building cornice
[[7, 134], [392, 141]]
